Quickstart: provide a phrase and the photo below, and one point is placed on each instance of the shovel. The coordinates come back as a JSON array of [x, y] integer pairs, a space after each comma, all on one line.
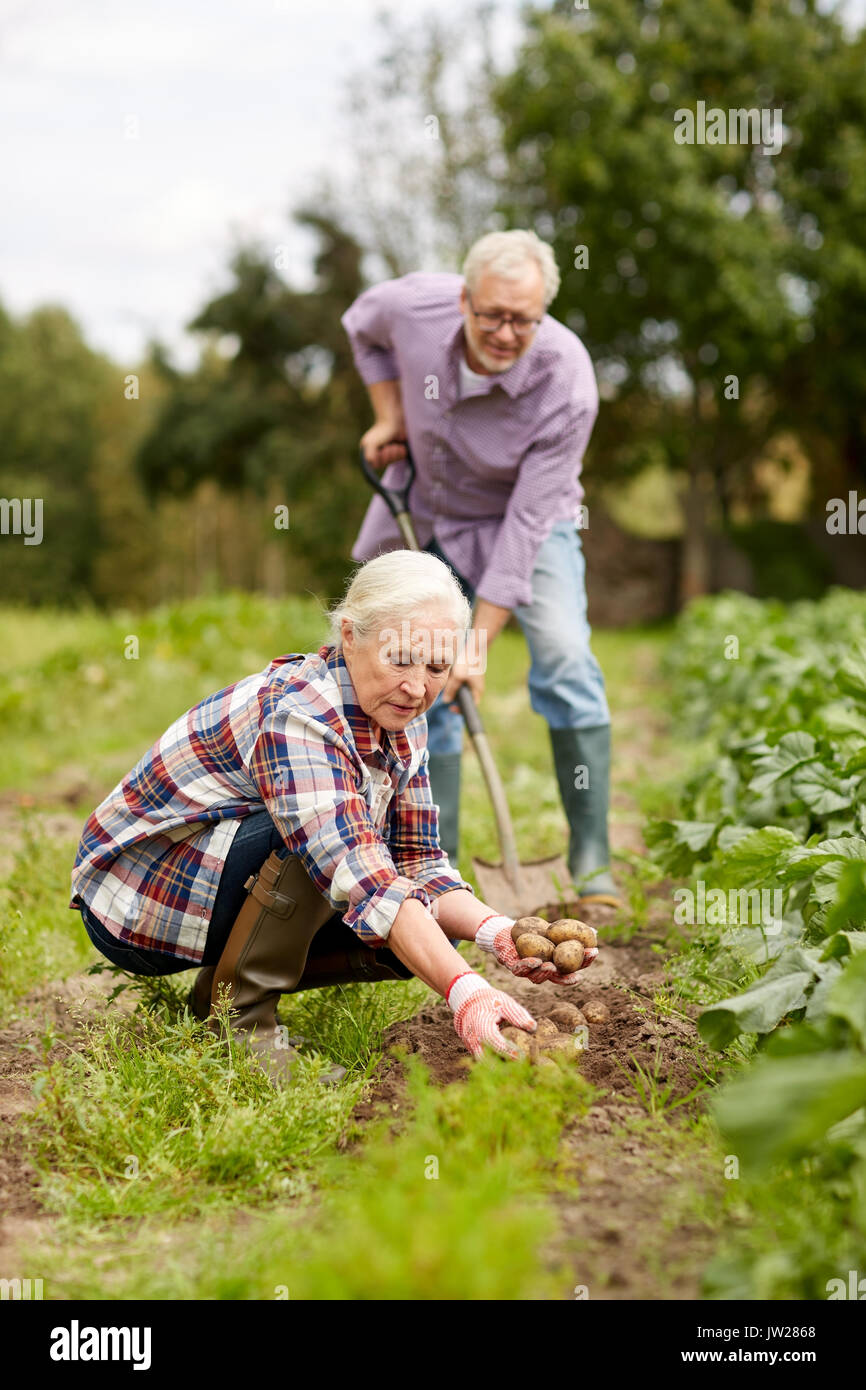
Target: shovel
[[515, 889]]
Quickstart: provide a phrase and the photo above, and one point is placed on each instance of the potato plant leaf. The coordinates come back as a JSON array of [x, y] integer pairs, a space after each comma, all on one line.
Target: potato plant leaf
[[791, 752], [820, 788], [783, 1107], [851, 675], [757, 856], [762, 1006], [847, 996]]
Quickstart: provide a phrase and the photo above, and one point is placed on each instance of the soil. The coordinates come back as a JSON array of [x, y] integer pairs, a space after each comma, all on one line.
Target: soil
[[610, 1230]]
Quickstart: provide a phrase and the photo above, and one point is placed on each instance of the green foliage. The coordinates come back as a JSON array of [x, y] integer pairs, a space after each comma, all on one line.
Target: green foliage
[[160, 1116], [706, 262], [282, 417], [780, 806], [454, 1204], [91, 688], [786, 563], [51, 392], [39, 940]]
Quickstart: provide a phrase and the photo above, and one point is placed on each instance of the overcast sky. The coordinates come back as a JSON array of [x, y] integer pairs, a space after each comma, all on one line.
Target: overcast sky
[[138, 138]]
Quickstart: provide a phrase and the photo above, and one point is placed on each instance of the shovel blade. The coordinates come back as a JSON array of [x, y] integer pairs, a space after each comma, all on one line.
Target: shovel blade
[[542, 884]]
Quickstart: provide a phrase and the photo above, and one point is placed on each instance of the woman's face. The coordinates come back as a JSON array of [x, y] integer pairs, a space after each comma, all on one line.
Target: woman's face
[[398, 672]]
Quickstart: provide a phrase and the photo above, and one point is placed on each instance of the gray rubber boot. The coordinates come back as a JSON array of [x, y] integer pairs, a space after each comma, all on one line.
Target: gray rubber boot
[[582, 761], [444, 771]]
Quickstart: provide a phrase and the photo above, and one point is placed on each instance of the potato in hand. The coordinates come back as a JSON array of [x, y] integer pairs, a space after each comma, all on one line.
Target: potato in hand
[[532, 945]]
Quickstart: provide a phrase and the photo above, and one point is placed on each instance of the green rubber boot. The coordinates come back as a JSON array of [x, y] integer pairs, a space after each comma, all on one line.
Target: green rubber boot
[[444, 772], [582, 761]]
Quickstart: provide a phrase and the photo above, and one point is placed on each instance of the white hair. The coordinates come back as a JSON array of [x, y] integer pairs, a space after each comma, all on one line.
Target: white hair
[[507, 254], [396, 587]]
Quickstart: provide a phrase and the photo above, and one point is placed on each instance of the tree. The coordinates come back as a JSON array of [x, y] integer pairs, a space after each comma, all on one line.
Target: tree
[[282, 414], [426, 141], [689, 282], [52, 388]]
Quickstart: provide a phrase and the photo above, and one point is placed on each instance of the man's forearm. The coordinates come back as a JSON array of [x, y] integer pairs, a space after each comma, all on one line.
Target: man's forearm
[[387, 402], [490, 618]]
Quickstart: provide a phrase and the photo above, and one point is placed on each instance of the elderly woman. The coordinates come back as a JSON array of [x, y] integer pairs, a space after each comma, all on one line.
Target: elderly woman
[[281, 834]]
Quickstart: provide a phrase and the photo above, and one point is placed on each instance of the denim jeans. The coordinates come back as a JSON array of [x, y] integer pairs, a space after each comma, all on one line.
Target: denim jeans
[[566, 686], [254, 839]]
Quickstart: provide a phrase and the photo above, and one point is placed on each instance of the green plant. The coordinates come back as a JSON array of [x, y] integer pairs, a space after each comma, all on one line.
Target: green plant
[[777, 812]]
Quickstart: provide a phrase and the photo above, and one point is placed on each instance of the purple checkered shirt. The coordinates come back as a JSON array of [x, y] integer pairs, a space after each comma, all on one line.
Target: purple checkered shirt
[[495, 469], [292, 739]]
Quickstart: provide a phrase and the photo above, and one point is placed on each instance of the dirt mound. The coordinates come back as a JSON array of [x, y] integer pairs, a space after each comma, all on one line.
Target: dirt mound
[[624, 977]]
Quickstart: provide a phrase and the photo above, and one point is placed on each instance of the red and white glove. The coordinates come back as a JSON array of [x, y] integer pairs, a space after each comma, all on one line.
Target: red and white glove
[[494, 934], [478, 1009]]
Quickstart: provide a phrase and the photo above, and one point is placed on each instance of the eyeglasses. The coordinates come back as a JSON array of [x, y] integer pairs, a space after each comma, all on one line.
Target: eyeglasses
[[488, 323]]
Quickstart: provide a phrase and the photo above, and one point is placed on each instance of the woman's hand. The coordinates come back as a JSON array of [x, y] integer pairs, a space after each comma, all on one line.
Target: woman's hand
[[494, 934], [478, 1010]]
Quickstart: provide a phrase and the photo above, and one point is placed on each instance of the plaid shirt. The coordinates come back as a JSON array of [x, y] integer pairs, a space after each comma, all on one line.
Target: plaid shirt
[[291, 738], [495, 467]]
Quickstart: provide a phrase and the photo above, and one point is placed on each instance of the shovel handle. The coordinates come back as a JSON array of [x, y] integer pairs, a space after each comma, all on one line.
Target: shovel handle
[[397, 501], [495, 789]]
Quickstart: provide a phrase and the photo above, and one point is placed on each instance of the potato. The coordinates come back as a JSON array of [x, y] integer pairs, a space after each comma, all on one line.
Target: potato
[[530, 944], [571, 929], [567, 1018], [523, 925], [546, 1029], [519, 1037], [563, 929], [568, 956], [596, 1011], [568, 1043]]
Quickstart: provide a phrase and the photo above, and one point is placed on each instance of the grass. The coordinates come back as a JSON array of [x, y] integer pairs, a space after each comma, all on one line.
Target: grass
[[172, 1168], [656, 1095], [451, 1206], [40, 939]]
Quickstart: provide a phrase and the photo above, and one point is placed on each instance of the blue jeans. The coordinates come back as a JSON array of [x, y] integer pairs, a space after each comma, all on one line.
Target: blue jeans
[[254, 839], [566, 686]]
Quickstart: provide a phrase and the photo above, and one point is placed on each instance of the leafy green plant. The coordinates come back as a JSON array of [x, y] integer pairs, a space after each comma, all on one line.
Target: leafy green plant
[[779, 807]]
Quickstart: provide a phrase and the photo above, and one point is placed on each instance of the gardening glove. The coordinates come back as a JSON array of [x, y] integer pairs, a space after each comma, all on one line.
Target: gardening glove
[[494, 935], [478, 1009]]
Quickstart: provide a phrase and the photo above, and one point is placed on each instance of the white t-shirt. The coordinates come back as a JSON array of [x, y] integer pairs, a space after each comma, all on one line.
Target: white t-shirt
[[470, 382]]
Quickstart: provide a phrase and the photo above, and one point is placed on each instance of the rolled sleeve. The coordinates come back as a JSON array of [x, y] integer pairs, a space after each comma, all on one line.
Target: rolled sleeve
[[547, 471], [369, 326], [310, 786]]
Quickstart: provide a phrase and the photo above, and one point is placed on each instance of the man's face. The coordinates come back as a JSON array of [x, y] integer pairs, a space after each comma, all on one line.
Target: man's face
[[524, 298]]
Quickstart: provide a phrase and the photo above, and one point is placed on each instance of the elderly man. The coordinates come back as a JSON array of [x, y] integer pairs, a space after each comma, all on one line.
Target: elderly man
[[497, 400]]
